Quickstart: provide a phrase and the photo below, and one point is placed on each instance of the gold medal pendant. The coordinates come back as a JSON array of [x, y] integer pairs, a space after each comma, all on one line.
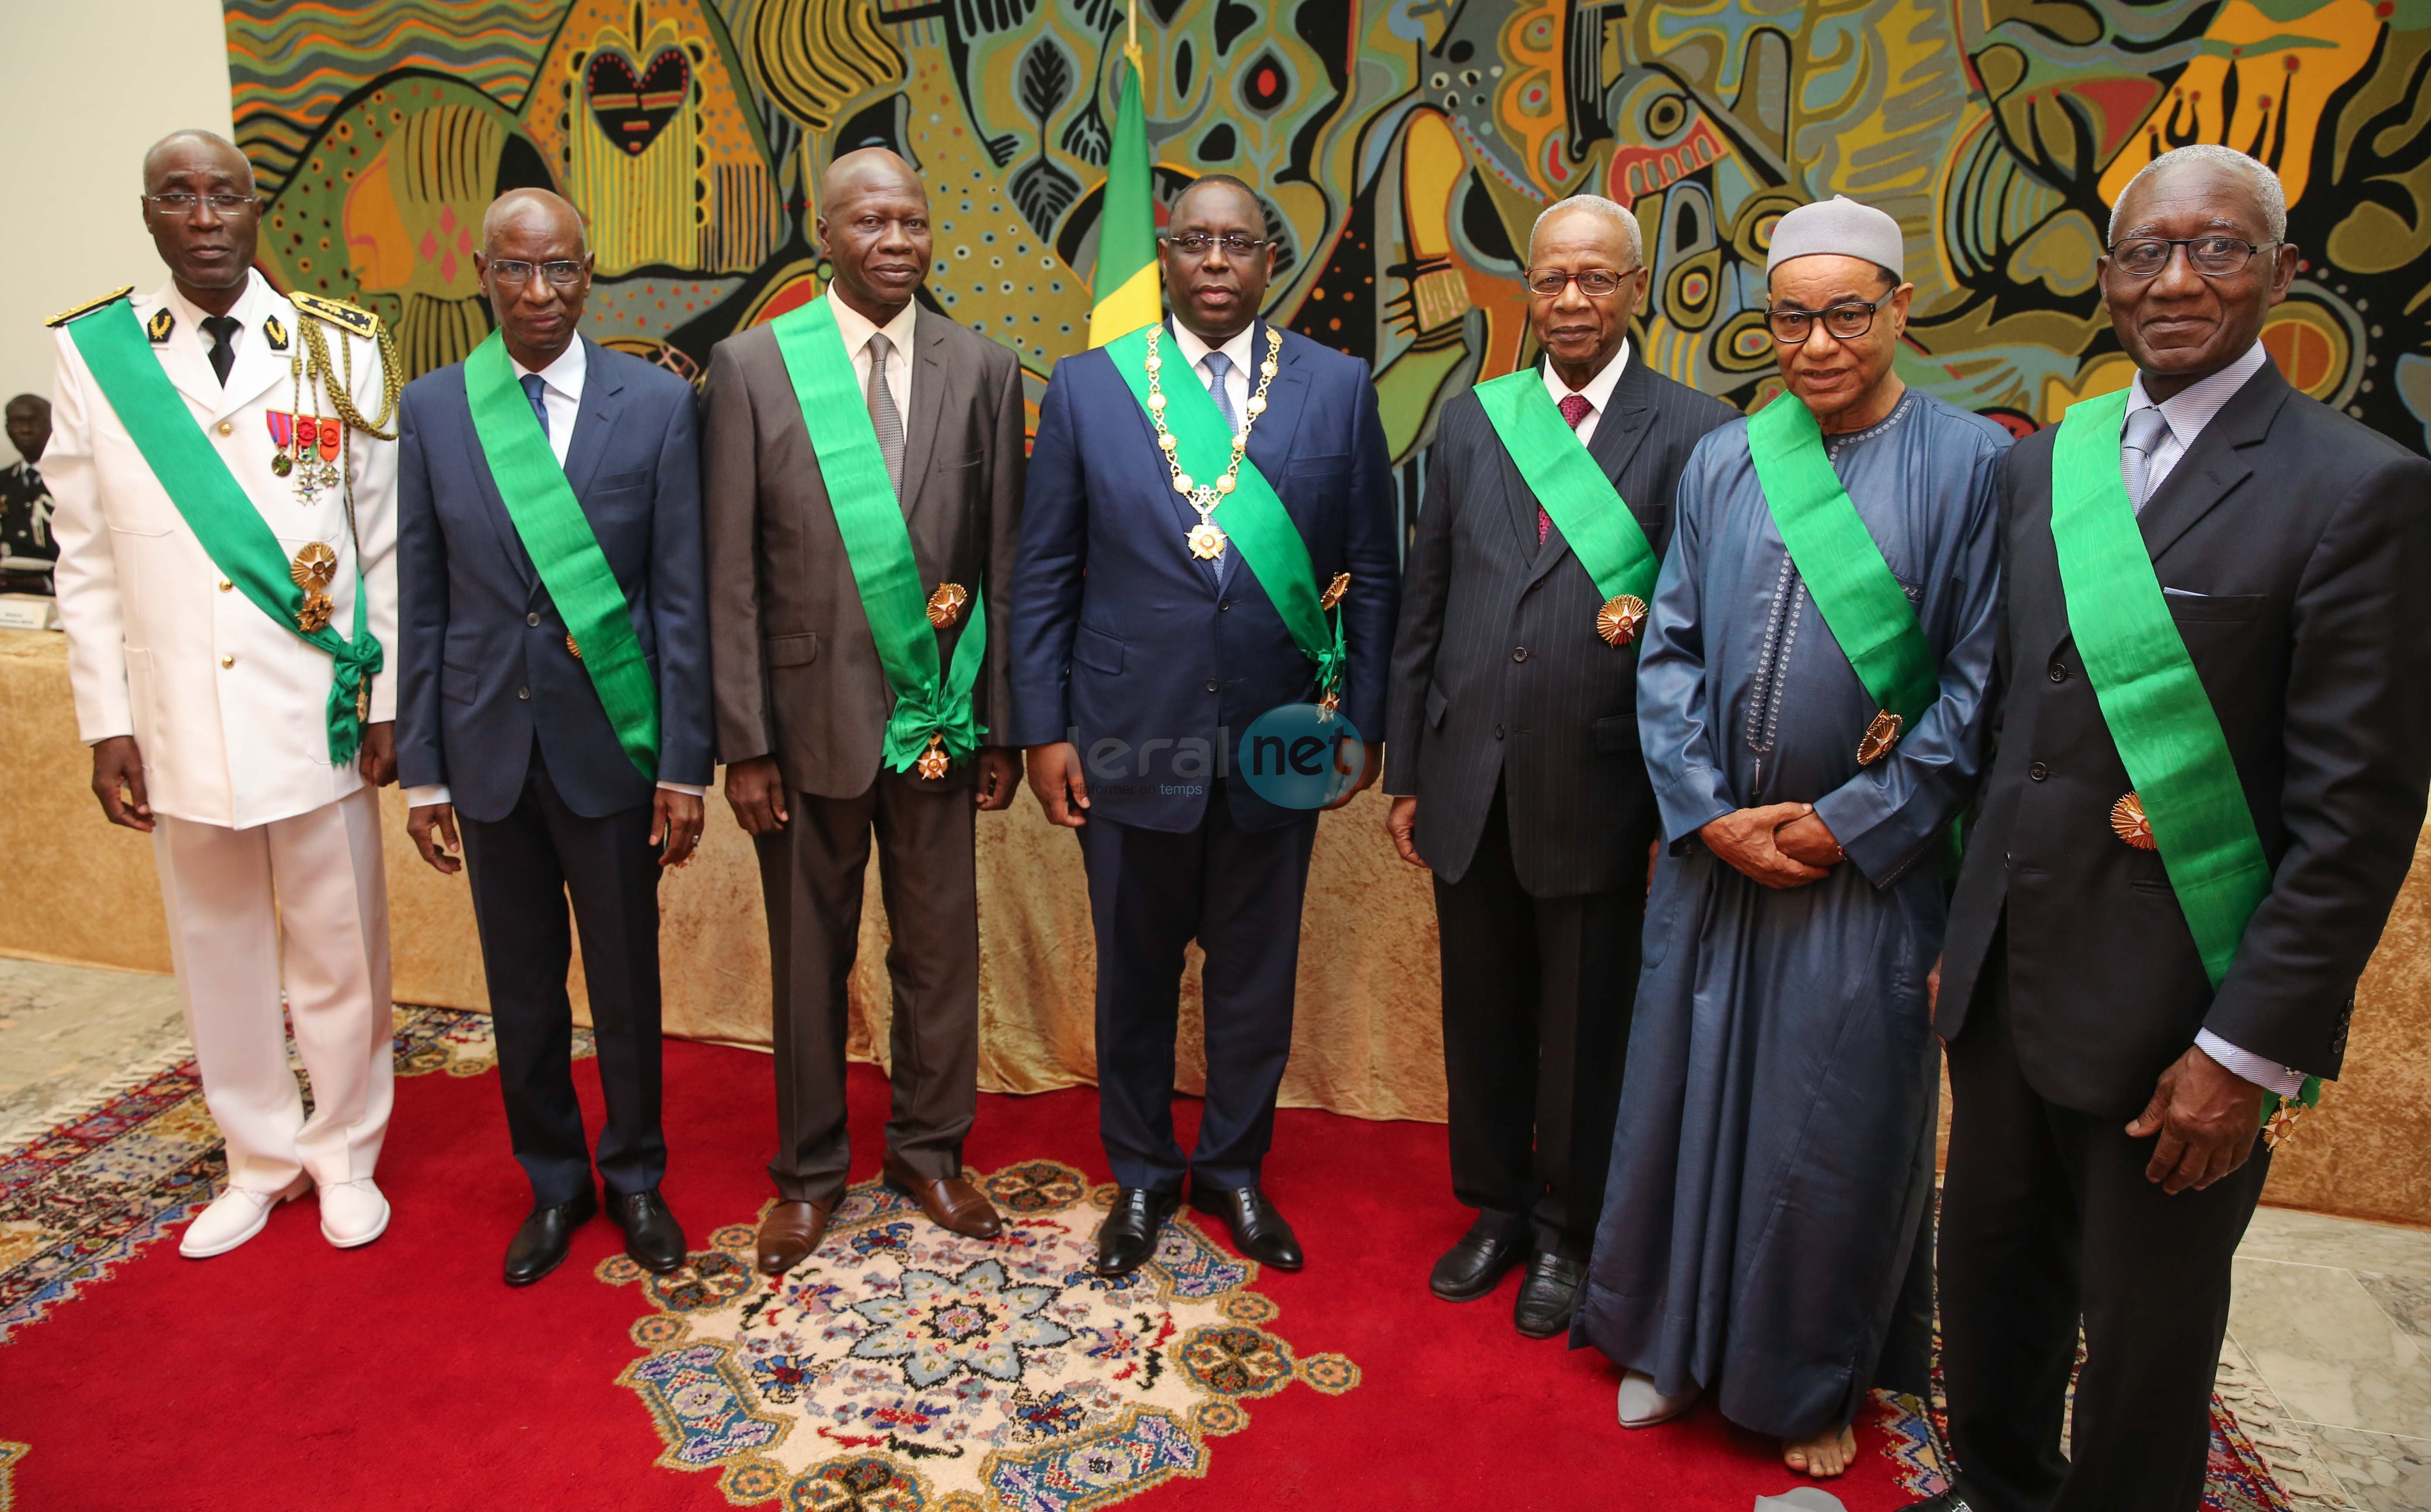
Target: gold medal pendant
[[932, 763], [315, 612], [2283, 1122], [1880, 737], [1334, 592], [313, 570], [1206, 541], [571, 649], [2128, 823], [1620, 617], [946, 604]]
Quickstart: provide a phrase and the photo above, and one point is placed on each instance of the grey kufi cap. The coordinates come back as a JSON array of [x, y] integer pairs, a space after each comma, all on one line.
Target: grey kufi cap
[[1841, 225]]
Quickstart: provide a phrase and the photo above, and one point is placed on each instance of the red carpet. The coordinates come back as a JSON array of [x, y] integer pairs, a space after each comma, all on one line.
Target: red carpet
[[289, 1375]]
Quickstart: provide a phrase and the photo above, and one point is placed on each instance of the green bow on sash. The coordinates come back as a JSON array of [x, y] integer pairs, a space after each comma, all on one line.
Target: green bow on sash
[[215, 507], [931, 711], [2151, 698]]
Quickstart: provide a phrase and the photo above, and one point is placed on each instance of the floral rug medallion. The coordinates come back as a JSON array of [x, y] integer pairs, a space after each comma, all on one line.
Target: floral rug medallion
[[904, 1368]]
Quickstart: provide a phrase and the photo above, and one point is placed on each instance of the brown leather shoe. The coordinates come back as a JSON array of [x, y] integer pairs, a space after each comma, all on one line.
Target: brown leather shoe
[[951, 1202], [789, 1234]]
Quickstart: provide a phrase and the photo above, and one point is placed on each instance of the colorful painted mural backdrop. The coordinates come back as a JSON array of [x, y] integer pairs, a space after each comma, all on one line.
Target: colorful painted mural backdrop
[[1406, 145]]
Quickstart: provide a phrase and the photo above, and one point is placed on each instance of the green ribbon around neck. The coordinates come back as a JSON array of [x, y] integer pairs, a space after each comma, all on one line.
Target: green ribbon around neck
[[1862, 604], [558, 536], [215, 507], [1252, 516], [1601, 531], [879, 544], [2152, 699]]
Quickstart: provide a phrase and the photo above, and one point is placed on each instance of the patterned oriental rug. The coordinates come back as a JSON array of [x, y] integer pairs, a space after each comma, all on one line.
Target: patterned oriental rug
[[905, 1369]]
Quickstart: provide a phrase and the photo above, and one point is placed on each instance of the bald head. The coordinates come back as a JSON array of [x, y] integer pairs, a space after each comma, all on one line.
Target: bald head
[[873, 222], [536, 211], [195, 150]]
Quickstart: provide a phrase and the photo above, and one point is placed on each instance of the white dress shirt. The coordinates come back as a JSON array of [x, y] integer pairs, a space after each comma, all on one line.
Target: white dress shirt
[[856, 330], [1598, 392], [1242, 349], [2188, 411], [561, 394]]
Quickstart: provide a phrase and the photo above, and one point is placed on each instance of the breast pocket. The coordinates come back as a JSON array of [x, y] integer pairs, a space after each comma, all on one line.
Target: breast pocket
[[2199, 609], [1319, 479]]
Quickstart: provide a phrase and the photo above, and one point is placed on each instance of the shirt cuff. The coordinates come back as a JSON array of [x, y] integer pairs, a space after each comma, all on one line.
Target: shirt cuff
[[423, 798], [2261, 1071], [693, 788]]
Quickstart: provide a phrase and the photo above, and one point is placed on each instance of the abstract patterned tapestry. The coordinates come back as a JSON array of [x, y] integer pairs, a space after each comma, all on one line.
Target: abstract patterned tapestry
[[1405, 147]]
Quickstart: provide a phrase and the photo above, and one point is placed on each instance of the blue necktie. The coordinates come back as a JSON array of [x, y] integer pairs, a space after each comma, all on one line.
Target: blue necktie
[[532, 386], [1219, 367]]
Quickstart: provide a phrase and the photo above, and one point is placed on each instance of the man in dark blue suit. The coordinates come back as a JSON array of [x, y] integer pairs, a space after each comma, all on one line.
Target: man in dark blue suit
[[548, 759], [1138, 661]]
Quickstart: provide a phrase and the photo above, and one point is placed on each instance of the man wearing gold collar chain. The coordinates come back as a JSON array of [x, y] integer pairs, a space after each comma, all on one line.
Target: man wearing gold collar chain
[[1203, 494], [225, 484]]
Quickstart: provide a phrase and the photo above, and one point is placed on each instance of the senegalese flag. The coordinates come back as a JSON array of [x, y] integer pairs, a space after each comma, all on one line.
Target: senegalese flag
[[1126, 288]]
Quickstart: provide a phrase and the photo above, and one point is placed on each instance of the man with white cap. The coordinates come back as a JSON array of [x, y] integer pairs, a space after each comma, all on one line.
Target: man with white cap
[[1812, 701]]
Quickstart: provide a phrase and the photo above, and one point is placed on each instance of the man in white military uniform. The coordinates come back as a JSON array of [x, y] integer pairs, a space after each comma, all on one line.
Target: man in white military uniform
[[226, 632]]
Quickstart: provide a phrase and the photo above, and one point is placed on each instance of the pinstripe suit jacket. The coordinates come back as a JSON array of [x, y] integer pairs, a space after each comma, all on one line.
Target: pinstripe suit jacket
[[1498, 675]]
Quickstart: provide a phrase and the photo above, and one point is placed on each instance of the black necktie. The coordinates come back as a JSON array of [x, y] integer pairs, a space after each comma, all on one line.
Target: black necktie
[[221, 329]]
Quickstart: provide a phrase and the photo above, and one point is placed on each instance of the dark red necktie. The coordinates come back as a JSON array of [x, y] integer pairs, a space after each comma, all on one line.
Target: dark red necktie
[[1575, 407]]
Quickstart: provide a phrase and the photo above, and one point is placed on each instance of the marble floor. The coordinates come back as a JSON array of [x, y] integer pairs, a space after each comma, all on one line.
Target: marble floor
[[2328, 1360]]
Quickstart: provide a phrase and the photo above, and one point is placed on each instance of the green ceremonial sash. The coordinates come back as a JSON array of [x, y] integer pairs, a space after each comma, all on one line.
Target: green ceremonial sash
[[928, 710], [549, 520], [1862, 604], [233, 533], [1252, 514], [2169, 736], [1572, 489]]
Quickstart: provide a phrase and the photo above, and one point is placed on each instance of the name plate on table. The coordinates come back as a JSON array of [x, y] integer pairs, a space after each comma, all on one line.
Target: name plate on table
[[29, 612]]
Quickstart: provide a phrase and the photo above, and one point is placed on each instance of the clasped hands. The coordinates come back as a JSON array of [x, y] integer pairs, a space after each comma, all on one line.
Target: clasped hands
[[1780, 845]]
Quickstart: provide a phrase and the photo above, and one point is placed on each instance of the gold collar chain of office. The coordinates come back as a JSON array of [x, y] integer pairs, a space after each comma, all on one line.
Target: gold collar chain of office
[[1207, 541]]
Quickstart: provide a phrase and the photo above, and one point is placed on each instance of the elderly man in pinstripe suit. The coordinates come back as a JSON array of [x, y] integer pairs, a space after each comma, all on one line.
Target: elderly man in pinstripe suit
[[1513, 753]]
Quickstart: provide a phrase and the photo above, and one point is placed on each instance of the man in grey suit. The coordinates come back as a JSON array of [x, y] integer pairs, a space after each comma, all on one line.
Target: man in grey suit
[[1513, 756], [805, 698]]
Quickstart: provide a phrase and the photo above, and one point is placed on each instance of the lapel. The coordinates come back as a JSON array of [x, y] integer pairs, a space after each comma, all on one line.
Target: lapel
[[595, 421], [1272, 438], [182, 356], [256, 367], [2214, 466], [928, 380]]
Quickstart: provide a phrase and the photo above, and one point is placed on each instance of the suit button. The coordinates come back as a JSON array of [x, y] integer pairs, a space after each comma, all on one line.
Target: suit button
[[2059, 672], [228, 427], [2038, 771], [1519, 653], [1211, 684], [225, 585], [1498, 732], [228, 659], [532, 619], [523, 693], [1224, 604]]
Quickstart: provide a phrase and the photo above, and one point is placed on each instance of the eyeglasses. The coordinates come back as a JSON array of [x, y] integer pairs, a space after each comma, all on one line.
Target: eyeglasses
[[1198, 243], [1595, 283], [2214, 256], [513, 272], [1846, 320], [178, 202]]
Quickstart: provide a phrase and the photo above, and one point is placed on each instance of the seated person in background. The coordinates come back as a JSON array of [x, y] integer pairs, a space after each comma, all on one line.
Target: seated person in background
[[26, 547]]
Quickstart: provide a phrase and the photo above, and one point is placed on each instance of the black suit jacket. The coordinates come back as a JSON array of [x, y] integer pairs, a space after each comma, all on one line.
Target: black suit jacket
[[2300, 544], [1498, 671]]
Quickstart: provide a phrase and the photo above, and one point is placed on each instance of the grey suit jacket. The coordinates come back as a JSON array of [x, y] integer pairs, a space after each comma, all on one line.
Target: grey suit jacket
[[795, 665], [1498, 675]]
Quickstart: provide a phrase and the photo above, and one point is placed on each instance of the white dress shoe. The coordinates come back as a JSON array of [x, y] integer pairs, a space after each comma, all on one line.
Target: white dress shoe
[[1642, 1406], [235, 1217], [353, 1213]]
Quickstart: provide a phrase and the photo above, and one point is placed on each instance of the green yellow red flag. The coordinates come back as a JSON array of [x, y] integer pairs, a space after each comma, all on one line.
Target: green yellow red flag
[[1127, 295]]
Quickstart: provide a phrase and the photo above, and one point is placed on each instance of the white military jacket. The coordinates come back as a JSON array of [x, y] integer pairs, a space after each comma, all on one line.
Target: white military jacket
[[228, 706]]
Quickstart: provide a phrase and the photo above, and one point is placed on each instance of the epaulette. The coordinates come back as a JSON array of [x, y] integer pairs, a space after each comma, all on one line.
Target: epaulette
[[90, 306], [337, 313]]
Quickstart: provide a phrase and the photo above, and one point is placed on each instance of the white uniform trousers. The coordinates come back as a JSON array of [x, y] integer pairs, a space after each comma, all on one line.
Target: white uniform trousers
[[302, 902]]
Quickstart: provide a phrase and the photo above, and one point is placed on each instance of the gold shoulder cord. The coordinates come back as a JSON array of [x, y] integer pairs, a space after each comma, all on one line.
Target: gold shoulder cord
[[342, 399]]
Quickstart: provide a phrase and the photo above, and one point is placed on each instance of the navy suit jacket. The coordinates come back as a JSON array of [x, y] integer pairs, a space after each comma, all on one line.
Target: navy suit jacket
[[1120, 639], [483, 669]]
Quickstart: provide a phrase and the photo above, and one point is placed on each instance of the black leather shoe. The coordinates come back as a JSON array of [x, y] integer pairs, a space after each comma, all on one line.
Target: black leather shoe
[[1945, 1501], [539, 1247], [1546, 1295], [1258, 1231], [1475, 1266], [1128, 1236], [652, 1236]]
